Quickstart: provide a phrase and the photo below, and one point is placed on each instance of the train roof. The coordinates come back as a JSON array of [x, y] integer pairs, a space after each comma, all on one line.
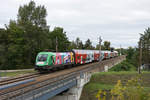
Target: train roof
[[52, 52], [116, 51], [89, 51]]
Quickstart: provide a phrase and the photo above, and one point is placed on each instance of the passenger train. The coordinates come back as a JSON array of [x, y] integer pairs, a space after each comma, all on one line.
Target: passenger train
[[46, 61]]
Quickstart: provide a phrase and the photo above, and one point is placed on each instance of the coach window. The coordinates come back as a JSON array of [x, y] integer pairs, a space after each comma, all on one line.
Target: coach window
[[53, 61]]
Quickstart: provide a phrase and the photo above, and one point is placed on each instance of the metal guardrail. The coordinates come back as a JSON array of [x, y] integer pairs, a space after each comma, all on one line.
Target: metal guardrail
[[48, 91], [48, 88], [16, 83], [36, 90]]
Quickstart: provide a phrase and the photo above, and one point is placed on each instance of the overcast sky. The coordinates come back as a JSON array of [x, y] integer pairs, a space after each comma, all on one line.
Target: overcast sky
[[117, 21]]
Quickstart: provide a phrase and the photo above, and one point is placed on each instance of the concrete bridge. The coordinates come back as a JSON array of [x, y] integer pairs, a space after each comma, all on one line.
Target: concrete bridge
[[74, 92], [65, 87]]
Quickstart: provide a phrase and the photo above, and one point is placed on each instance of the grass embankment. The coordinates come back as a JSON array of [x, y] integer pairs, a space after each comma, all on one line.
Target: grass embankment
[[16, 73], [107, 80]]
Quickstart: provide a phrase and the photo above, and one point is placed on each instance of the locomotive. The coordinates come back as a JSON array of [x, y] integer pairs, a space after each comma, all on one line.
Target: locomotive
[[46, 61]]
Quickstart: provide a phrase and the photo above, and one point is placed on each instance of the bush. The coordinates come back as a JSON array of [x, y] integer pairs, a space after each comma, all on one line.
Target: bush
[[123, 66], [132, 90]]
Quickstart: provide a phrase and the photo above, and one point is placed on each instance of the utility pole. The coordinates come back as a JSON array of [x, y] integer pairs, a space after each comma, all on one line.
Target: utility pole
[[56, 44], [100, 40], [140, 58], [120, 49]]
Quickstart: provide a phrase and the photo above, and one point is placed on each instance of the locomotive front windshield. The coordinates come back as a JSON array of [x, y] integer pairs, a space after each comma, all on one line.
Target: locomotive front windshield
[[42, 57]]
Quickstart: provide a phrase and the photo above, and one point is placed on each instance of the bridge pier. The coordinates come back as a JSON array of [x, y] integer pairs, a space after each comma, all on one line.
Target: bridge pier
[[74, 93]]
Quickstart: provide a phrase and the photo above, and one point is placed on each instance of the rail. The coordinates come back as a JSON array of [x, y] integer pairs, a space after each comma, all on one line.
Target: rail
[[17, 79], [68, 75]]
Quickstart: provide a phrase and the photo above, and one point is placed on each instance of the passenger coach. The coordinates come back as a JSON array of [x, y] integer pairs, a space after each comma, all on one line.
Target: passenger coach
[[46, 61]]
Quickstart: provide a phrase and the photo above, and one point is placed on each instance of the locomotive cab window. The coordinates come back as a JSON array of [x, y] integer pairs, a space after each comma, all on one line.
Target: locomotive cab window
[[42, 57]]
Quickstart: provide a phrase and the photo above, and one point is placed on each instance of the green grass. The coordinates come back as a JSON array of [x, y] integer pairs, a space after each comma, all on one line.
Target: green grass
[[115, 73], [123, 71], [106, 80], [97, 86], [14, 74]]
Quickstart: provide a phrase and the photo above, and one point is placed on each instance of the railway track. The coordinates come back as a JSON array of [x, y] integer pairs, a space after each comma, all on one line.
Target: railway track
[[17, 79], [44, 80], [21, 78]]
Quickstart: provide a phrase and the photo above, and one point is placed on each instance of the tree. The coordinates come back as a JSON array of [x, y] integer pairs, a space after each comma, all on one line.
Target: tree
[[102, 47], [145, 42], [88, 44], [132, 56], [130, 52], [16, 44], [107, 45], [72, 45], [3, 48], [32, 15], [32, 20], [24, 38], [79, 44], [135, 58], [62, 40]]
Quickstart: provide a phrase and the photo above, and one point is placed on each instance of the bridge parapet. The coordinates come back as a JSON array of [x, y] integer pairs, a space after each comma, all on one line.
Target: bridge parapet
[[74, 93], [72, 81]]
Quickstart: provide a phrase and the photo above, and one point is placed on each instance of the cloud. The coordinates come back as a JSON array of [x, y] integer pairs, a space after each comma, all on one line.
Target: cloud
[[119, 21]]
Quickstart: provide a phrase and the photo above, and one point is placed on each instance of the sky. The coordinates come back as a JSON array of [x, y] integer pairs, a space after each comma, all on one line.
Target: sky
[[117, 21]]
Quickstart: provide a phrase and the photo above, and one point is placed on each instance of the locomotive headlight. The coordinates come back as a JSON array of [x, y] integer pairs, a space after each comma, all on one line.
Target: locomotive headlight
[[47, 63]]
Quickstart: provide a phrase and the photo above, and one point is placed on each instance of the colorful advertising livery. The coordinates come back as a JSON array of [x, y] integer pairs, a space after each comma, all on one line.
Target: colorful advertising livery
[[49, 60]]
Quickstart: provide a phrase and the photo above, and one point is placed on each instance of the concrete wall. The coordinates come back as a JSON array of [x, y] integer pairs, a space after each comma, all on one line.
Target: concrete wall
[[74, 93]]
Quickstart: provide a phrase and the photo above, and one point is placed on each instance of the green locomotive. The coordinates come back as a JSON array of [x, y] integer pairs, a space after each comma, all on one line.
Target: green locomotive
[[49, 60]]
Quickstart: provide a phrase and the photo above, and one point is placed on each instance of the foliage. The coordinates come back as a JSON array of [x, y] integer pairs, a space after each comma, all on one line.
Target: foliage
[[132, 56], [122, 51], [123, 66], [25, 37], [62, 40], [106, 81], [22, 39], [107, 45], [77, 44], [132, 90], [130, 52], [88, 44], [145, 45]]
